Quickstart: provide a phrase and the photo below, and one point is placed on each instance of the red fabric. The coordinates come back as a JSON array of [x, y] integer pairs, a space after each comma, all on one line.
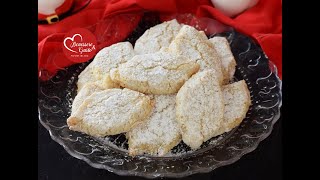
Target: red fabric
[[108, 20], [262, 22], [60, 10]]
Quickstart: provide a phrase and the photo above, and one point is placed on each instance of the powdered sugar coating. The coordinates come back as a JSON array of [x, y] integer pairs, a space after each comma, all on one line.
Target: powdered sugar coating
[[110, 112], [195, 45], [228, 62], [237, 102], [160, 132], [157, 37], [106, 59], [157, 73], [85, 92], [200, 108]]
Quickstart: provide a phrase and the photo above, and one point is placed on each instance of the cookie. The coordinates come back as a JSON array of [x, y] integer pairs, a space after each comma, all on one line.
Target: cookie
[[159, 133], [200, 108], [157, 73], [228, 62], [194, 44], [110, 112], [85, 92], [157, 37], [106, 59], [237, 102]]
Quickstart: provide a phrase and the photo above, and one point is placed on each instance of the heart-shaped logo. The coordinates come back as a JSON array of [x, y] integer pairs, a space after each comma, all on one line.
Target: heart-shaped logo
[[79, 45], [72, 40]]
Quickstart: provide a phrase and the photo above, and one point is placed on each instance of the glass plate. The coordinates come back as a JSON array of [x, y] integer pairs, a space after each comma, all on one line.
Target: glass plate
[[56, 95]]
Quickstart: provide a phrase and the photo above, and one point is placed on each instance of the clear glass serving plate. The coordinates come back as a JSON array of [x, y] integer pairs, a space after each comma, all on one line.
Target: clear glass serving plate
[[56, 95]]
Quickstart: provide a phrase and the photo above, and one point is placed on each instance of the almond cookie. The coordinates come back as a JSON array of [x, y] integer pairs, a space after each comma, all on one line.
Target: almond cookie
[[228, 62], [159, 133], [237, 102], [195, 45], [110, 112], [200, 108], [157, 37], [85, 92], [106, 59], [157, 73]]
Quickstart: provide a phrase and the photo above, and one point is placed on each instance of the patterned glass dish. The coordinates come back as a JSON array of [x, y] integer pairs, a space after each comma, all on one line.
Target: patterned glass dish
[[56, 95]]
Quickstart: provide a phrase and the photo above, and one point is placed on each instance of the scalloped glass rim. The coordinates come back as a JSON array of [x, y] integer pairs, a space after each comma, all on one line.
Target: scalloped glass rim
[[78, 155], [169, 175]]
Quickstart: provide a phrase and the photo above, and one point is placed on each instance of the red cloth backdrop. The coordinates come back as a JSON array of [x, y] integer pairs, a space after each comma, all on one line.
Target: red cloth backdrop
[[262, 22]]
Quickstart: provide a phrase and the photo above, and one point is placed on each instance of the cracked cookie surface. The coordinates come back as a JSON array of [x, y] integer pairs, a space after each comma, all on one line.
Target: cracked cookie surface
[[110, 112], [237, 102], [85, 92], [200, 108], [228, 62], [157, 37], [182, 75], [157, 73], [195, 45], [160, 132], [106, 59]]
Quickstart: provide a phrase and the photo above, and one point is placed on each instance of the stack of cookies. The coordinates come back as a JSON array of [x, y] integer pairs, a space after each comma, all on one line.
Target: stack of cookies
[[172, 86]]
